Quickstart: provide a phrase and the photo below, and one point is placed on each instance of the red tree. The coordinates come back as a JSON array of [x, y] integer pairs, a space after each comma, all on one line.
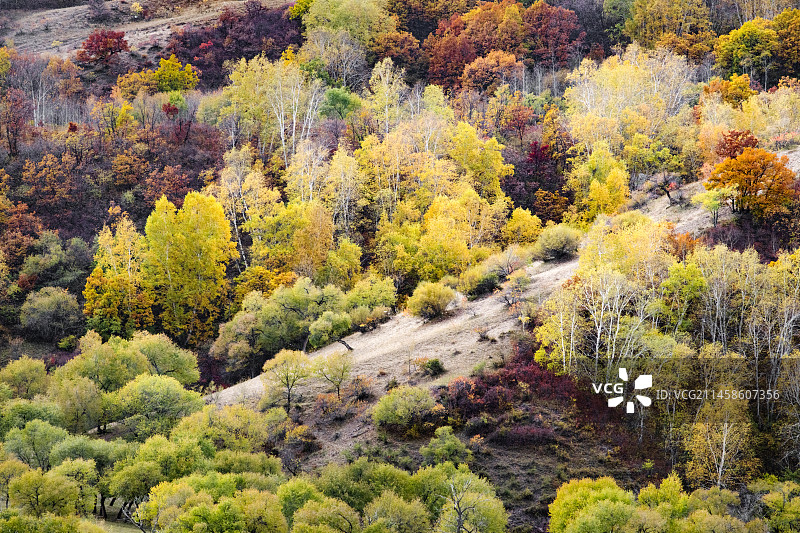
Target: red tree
[[101, 45], [734, 142], [553, 34], [15, 112]]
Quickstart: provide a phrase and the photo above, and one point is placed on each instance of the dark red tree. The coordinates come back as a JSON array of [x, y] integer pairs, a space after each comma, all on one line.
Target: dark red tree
[[101, 46]]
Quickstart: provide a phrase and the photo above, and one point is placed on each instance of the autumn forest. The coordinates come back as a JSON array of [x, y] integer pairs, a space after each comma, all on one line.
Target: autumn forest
[[400, 266]]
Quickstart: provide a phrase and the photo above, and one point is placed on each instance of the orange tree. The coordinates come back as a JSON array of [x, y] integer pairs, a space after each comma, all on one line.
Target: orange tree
[[762, 180]]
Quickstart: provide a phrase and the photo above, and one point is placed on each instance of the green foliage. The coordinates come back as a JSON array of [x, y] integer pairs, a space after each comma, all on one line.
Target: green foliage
[[150, 405], [25, 377], [38, 493], [33, 443], [557, 242], [285, 372], [403, 408], [579, 499], [296, 493], [16, 413], [51, 313], [445, 446], [397, 514], [430, 300]]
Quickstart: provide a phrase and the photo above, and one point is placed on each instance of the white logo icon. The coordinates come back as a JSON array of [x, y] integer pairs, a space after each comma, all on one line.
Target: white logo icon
[[645, 381]]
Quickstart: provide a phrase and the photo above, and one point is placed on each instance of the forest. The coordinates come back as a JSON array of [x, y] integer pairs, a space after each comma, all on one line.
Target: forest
[[201, 233]]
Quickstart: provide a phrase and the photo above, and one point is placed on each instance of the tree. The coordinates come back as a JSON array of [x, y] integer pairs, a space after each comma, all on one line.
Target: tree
[[151, 405], [10, 469], [762, 180], [364, 20], [522, 228], [750, 49], [80, 403], [403, 408], [491, 71], [102, 45], [328, 512], [110, 365], [38, 493], [468, 508], [33, 443], [335, 369], [25, 377], [15, 112], [287, 370], [554, 36], [83, 473], [188, 251], [445, 446], [575, 498], [720, 445], [397, 514], [115, 300], [50, 313], [734, 142]]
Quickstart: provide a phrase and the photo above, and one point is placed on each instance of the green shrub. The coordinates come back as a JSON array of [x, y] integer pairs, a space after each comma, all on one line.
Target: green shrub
[[433, 368], [51, 313], [445, 446], [403, 408], [478, 280], [430, 300], [557, 242]]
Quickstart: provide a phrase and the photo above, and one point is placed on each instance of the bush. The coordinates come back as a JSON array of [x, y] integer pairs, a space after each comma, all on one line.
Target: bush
[[445, 446], [430, 300], [433, 368], [51, 313], [557, 242], [478, 280], [403, 408]]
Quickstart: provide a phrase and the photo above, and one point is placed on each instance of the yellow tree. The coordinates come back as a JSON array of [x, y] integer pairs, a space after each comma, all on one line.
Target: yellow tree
[[762, 180], [116, 303], [188, 252]]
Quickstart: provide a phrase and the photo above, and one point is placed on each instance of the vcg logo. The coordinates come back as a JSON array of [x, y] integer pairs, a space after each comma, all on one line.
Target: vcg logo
[[645, 381]]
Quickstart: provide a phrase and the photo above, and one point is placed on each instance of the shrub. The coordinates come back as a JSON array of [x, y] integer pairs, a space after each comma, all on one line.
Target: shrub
[[433, 368], [430, 300], [478, 280], [403, 408], [445, 446], [50, 313], [557, 242]]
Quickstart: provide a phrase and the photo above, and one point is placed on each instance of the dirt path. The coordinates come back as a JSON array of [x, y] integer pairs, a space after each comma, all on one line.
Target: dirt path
[[61, 31], [384, 354]]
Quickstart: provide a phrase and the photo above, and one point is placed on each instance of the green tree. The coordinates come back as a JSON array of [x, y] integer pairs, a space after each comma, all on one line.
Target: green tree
[[286, 371], [83, 473], [750, 49], [445, 446], [295, 494], [430, 300], [50, 313], [110, 365], [335, 369], [150, 405], [33, 443], [403, 408], [25, 377], [398, 514], [38, 493], [188, 251], [80, 402], [578, 497], [165, 358]]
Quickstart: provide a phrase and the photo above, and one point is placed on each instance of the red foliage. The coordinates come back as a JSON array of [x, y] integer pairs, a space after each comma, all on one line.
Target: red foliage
[[734, 142], [169, 182], [101, 45], [235, 35], [450, 51], [15, 112]]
